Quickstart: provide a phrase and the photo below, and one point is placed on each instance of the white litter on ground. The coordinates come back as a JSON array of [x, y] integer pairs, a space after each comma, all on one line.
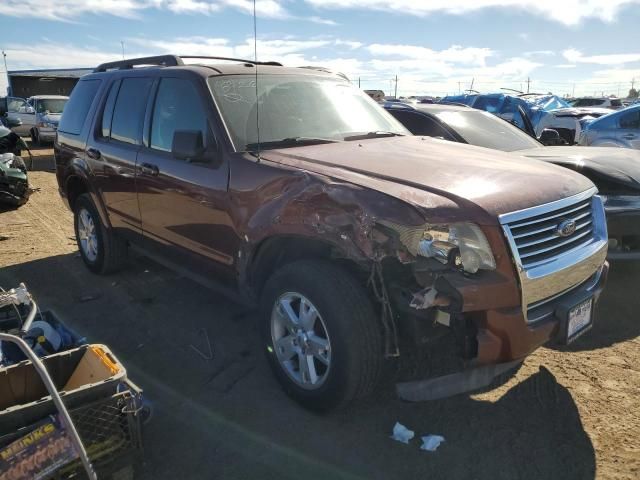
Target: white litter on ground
[[402, 433], [431, 442]]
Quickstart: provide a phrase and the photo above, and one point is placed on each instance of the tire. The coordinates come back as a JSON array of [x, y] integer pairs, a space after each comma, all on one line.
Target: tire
[[110, 252], [349, 322], [35, 138]]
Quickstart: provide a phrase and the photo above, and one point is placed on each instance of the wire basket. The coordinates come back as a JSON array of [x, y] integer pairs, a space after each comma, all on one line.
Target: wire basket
[[110, 430]]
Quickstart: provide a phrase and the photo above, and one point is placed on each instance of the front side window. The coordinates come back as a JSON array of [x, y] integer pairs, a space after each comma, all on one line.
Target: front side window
[[177, 107], [17, 105], [128, 112], [77, 108], [296, 107]]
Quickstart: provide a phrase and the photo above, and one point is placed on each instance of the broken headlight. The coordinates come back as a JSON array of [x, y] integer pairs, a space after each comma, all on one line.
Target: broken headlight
[[462, 244]]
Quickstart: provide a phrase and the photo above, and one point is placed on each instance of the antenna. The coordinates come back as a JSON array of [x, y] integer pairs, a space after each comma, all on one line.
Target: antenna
[[255, 55], [122, 44]]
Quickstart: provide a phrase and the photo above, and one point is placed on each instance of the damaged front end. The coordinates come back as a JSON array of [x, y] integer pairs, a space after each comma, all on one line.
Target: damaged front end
[[14, 185]]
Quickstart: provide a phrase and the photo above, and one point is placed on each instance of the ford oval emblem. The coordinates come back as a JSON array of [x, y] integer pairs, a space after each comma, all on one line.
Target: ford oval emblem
[[566, 228]]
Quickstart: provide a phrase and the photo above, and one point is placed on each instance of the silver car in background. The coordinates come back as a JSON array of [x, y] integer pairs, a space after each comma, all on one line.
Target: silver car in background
[[39, 114], [619, 129]]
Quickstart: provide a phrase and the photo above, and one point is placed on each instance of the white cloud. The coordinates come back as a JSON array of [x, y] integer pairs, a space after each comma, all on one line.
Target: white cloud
[[575, 56], [568, 12], [453, 54], [69, 10]]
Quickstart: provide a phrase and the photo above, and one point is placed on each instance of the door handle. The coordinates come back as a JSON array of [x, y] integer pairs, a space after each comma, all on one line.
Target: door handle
[[629, 136], [149, 169], [93, 153]]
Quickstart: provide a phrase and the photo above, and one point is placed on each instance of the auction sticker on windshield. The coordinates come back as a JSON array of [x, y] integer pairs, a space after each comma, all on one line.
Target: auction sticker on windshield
[[579, 320]]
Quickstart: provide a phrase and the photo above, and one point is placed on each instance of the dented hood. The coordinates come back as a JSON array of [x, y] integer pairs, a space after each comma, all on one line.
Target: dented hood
[[609, 164], [494, 181]]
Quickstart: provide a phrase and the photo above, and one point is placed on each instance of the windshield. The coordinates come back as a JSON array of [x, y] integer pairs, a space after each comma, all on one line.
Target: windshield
[[52, 105], [294, 107], [486, 130]]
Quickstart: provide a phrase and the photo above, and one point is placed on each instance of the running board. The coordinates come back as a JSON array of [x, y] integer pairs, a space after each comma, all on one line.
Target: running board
[[453, 384]]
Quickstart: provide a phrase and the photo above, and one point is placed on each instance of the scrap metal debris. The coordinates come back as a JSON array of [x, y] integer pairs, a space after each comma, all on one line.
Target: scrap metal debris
[[431, 442], [402, 433]]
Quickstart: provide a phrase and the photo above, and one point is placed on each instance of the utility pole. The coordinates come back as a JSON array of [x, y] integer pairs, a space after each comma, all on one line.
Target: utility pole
[[122, 43], [358, 82], [528, 83], [573, 92], [396, 94], [6, 72], [459, 90]]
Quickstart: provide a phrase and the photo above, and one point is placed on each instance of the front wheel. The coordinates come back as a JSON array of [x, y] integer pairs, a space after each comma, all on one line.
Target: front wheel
[[35, 138], [322, 336]]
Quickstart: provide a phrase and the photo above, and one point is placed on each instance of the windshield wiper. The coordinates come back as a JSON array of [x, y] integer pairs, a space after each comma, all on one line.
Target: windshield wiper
[[289, 142], [376, 134]]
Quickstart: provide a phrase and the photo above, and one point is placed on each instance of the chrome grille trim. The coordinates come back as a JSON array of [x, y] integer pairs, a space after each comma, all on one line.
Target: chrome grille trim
[[547, 264]]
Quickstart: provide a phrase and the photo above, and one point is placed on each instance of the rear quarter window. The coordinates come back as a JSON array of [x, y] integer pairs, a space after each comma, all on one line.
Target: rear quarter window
[[77, 108]]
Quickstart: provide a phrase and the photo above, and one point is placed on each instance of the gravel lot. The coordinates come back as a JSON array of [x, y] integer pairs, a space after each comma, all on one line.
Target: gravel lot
[[568, 413]]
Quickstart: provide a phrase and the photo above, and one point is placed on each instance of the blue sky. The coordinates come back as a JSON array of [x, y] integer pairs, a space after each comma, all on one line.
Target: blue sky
[[434, 46]]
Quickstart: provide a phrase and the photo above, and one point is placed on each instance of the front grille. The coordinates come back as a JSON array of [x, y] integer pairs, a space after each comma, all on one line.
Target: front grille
[[537, 241]]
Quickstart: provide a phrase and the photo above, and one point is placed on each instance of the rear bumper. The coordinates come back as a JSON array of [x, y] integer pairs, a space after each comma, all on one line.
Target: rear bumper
[[504, 335]]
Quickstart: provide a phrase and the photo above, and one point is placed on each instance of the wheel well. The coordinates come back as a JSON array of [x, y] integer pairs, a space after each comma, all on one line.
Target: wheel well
[[75, 187], [273, 253]]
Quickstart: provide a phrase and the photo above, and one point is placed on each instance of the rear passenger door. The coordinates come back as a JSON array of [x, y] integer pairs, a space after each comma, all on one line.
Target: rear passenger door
[[184, 204], [629, 132], [113, 149]]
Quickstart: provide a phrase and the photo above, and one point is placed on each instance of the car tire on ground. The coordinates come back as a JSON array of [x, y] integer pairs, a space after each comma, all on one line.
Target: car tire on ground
[[35, 138], [101, 250], [322, 337]]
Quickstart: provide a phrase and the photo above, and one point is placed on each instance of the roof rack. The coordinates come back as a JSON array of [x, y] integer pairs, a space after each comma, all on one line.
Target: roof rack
[[169, 61], [160, 60], [231, 59]]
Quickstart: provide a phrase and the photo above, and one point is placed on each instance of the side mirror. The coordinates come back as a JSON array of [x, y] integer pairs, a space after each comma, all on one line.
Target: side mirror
[[188, 145], [30, 110], [550, 136]]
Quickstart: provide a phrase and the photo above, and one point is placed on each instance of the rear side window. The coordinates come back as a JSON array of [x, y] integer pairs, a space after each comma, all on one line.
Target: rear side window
[[128, 113], [630, 120], [420, 124], [77, 108], [178, 107], [616, 103]]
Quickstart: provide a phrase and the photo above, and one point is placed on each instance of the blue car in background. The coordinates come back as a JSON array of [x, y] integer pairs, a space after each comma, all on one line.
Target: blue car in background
[[618, 129], [543, 111]]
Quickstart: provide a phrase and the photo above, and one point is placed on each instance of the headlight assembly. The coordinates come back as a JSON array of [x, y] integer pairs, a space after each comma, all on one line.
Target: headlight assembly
[[463, 244]]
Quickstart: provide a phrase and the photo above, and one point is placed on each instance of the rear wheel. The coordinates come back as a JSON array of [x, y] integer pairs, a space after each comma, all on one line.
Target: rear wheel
[[322, 338], [101, 250]]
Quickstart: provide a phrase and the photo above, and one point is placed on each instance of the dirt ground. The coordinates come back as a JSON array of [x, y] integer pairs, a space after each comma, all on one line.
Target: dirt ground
[[568, 413]]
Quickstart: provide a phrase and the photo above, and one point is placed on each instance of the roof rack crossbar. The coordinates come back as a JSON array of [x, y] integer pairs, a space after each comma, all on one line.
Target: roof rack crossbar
[[160, 60], [231, 59]]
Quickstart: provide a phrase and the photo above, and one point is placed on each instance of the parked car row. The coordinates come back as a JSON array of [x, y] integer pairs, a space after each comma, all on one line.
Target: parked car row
[[36, 117], [361, 245]]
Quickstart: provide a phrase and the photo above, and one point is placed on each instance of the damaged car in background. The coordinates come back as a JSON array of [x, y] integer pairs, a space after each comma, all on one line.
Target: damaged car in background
[[543, 111], [364, 247], [614, 171]]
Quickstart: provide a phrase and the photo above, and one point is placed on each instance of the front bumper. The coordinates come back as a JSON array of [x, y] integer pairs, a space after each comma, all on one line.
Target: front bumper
[[505, 335]]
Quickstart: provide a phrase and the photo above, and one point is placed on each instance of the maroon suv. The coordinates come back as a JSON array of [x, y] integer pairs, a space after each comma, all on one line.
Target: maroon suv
[[363, 246]]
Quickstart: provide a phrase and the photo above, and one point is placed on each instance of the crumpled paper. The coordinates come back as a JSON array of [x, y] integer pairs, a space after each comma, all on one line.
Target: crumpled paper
[[431, 442], [402, 433]]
